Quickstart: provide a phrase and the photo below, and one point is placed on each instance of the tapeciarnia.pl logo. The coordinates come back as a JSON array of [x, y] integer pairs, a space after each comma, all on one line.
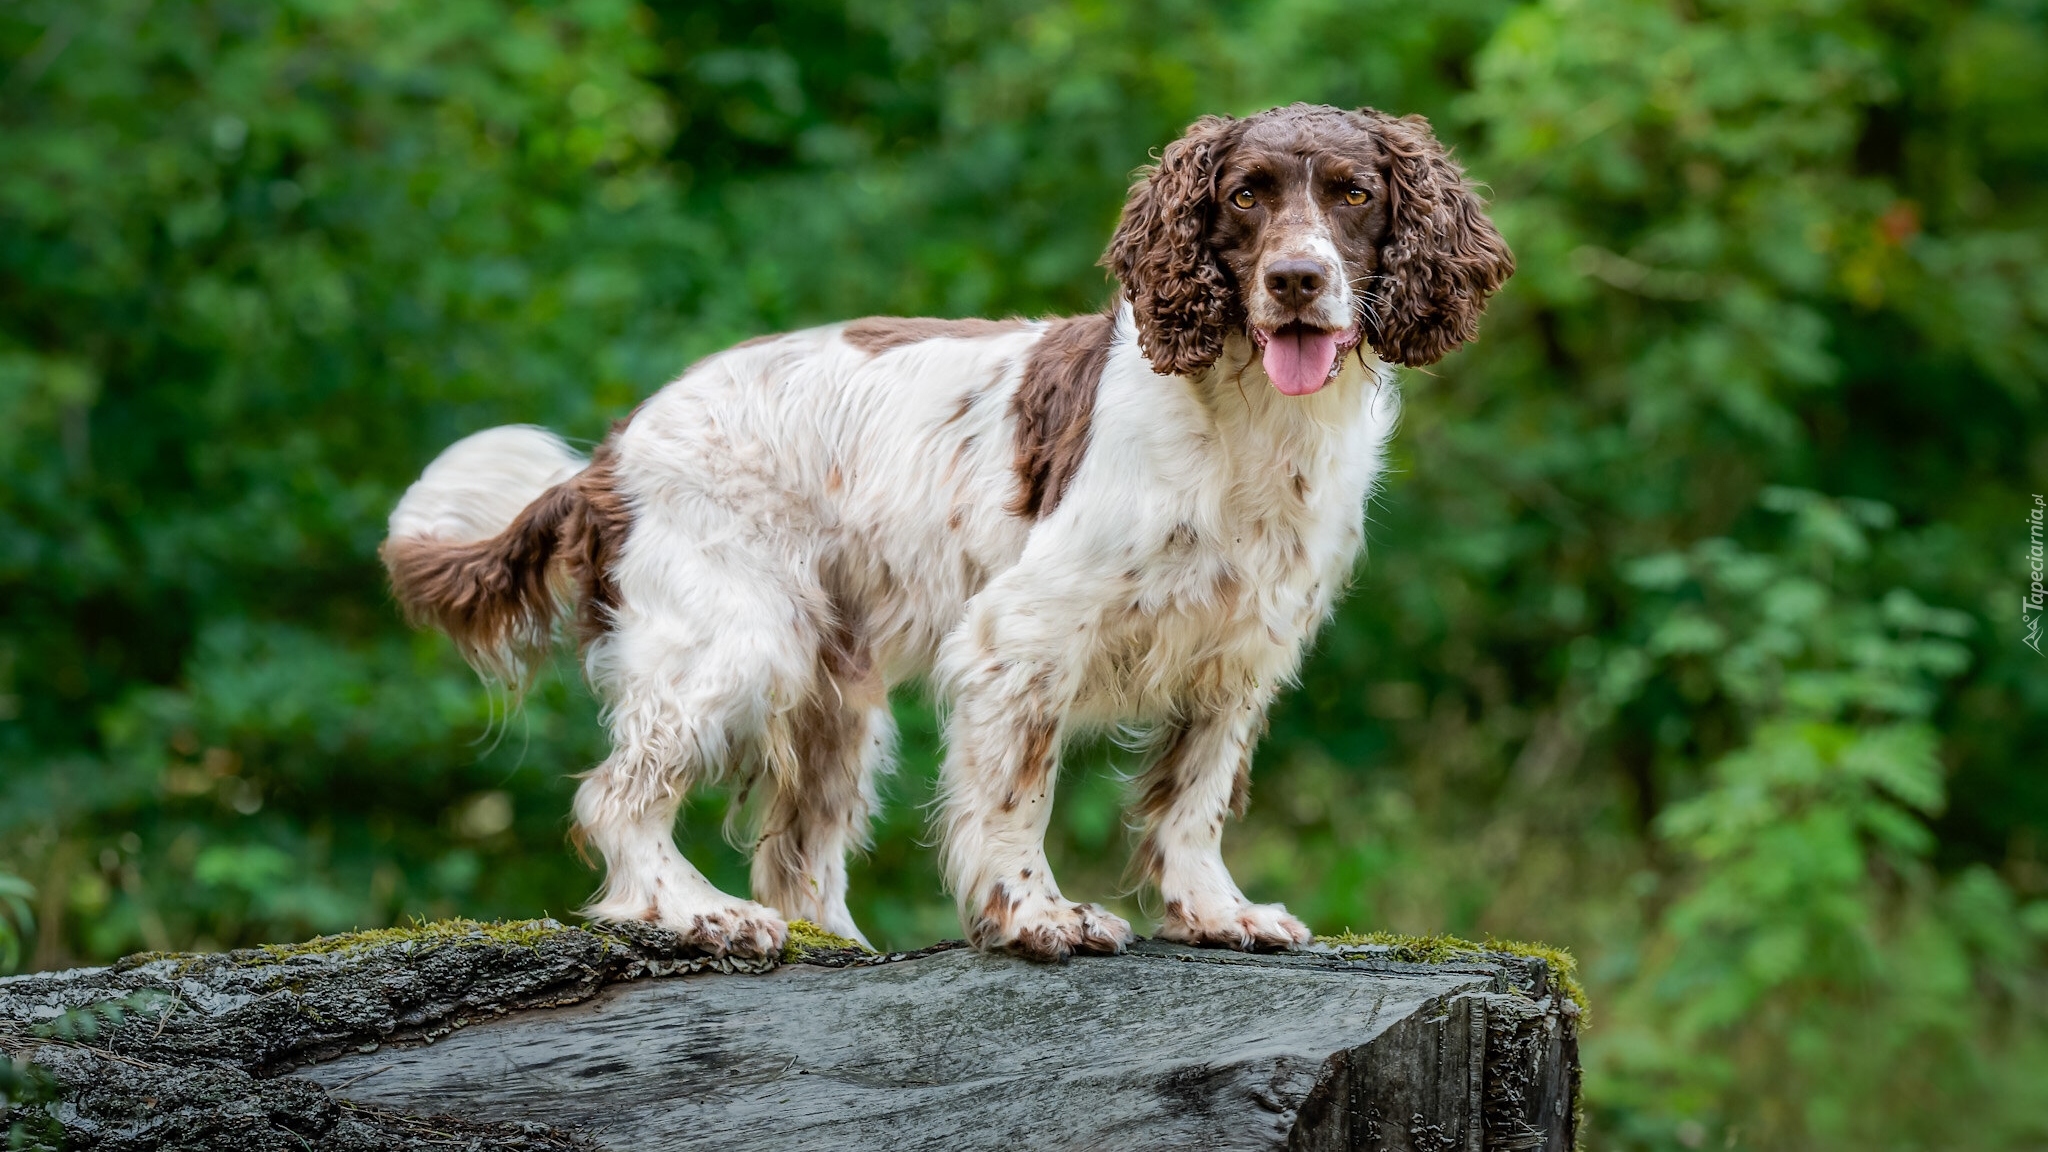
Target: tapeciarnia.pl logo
[[2037, 564]]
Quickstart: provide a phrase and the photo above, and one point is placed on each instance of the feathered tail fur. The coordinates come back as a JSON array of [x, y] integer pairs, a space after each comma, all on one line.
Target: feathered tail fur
[[499, 538]]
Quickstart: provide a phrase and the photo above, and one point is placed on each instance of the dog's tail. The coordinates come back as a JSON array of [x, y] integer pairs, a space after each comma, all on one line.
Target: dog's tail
[[496, 540]]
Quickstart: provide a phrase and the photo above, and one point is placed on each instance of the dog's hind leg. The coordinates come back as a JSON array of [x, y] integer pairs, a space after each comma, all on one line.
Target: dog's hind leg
[[699, 671], [820, 802]]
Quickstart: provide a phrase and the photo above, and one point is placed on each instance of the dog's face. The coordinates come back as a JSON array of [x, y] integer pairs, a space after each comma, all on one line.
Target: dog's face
[[1309, 228]]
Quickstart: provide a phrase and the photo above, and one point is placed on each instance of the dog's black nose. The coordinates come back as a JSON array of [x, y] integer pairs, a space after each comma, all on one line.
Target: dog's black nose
[[1296, 282]]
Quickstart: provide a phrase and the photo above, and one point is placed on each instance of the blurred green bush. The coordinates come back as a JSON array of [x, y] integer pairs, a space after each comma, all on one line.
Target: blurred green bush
[[1692, 637]]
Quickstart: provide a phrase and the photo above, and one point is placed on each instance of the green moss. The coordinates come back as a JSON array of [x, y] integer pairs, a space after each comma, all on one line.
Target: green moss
[[1438, 949], [513, 933], [1441, 949], [806, 937], [1564, 970]]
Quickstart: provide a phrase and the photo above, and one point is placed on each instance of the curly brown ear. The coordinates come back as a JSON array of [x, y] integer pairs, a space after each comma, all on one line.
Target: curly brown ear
[[1442, 256], [1180, 295]]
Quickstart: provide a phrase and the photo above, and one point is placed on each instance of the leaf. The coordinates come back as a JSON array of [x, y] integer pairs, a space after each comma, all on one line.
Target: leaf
[[1902, 760], [1685, 633], [1662, 572]]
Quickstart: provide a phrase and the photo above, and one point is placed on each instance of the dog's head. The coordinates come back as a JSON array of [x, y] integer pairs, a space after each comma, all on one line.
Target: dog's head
[[1311, 228]]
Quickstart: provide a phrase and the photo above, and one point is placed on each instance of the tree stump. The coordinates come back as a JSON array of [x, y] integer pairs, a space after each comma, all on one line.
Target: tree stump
[[546, 1037]]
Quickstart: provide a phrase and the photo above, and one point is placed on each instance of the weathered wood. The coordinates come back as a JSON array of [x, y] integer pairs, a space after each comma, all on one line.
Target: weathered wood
[[554, 1043]]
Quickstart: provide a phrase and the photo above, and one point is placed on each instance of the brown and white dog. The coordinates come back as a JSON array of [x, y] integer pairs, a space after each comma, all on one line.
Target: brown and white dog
[[1132, 518]]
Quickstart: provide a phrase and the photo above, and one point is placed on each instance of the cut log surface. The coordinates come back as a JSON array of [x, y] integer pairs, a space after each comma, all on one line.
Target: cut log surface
[[561, 1042]]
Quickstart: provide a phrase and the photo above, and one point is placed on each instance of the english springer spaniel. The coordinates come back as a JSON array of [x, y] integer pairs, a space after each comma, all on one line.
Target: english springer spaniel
[[1138, 517]]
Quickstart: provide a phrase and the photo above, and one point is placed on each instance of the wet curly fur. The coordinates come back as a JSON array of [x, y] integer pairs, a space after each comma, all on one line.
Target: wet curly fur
[[1442, 257]]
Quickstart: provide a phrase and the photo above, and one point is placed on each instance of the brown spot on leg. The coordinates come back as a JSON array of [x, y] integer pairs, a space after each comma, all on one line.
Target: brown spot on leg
[[1162, 779], [846, 656], [1038, 760], [1241, 785], [1157, 788], [813, 817], [992, 924]]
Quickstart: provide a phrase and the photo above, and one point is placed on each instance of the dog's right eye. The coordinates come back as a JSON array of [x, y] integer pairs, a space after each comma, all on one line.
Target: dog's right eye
[[1243, 198]]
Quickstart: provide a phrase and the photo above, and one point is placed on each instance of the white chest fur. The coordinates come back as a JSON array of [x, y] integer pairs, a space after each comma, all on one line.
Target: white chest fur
[[1207, 533]]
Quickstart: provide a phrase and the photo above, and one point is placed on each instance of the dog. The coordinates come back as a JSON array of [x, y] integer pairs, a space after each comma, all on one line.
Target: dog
[[1137, 518]]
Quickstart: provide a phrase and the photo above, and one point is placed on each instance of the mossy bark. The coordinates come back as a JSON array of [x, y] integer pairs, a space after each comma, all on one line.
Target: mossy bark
[[541, 1036]]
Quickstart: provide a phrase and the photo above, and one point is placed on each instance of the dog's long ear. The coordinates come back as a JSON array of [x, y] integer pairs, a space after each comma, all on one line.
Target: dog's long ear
[[1442, 255], [1181, 296]]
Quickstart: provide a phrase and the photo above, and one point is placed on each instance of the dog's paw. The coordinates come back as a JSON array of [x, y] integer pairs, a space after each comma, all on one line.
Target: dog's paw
[[1067, 928], [1244, 926], [740, 928], [1047, 928]]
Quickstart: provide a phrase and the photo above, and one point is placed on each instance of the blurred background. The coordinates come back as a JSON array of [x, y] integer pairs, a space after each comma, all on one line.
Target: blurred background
[[1693, 636]]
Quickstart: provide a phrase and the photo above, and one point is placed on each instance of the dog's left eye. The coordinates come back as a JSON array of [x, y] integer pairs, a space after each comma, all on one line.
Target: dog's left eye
[[1244, 198], [1355, 197]]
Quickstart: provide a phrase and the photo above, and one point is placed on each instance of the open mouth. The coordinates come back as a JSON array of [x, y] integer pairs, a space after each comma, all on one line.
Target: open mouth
[[1299, 358]]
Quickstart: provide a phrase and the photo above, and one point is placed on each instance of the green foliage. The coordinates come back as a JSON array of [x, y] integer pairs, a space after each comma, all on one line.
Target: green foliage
[[1691, 634], [1808, 957], [17, 920]]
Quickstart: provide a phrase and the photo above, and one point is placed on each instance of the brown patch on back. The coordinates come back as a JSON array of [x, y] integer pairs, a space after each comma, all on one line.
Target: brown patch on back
[[1054, 406], [878, 334]]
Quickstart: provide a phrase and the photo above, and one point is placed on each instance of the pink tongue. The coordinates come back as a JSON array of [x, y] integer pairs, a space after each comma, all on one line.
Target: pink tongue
[[1298, 360]]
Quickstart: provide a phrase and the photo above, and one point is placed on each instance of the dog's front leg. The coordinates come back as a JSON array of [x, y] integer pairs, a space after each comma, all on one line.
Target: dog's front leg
[[1009, 699], [1198, 780]]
